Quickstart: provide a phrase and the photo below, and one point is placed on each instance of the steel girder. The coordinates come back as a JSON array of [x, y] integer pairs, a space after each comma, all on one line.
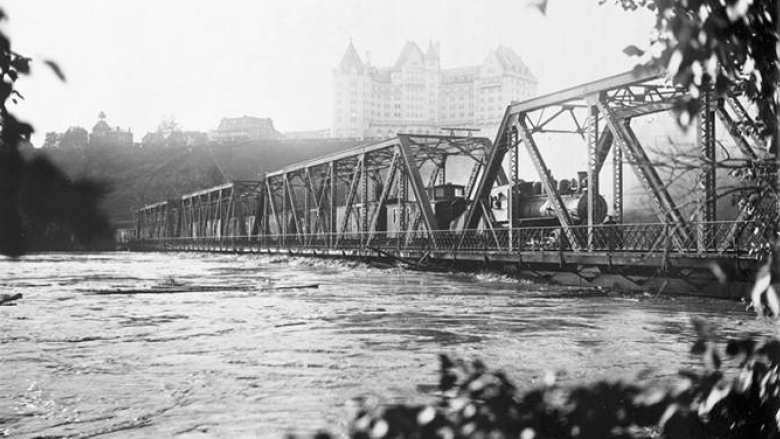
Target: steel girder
[[664, 204], [743, 130], [594, 158], [617, 184], [705, 139], [577, 110], [346, 193], [232, 209], [547, 182], [153, 220]]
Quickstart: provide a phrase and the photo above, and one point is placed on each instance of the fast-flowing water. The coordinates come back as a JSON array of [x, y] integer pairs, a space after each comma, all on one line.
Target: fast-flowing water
[[246, 358]]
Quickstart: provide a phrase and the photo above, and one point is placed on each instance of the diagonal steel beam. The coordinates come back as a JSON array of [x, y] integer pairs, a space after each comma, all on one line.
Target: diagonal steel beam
[[320, 219], [743, 116], [311, 194], [544, 175], [381, 203], [293, 205], [602, 148], [272, 205], [489, 175], [423, 203], [418, 215], [351, 197], [733, 128], [665, 207]]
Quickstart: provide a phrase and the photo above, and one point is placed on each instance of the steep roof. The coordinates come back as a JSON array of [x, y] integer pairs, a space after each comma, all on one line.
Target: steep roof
[[410, 48], [510, 60], [101, 126], [351, 60], [433, 52]]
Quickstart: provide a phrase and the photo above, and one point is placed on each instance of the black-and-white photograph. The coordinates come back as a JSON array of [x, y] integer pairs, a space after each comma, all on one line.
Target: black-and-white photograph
[[389, 219]]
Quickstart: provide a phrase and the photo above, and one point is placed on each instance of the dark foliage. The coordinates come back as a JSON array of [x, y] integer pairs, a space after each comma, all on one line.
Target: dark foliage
[[475, 402], [725, 44], [34, 196], [139, 176]]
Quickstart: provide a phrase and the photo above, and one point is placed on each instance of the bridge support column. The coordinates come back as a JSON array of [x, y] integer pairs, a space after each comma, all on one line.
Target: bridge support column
[[706, 144], [514, 144], [332, 181], [617, 185], [592, 139]]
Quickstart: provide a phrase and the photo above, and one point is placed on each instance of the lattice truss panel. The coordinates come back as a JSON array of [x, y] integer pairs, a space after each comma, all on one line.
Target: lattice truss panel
[[599, 115], [350, 193]]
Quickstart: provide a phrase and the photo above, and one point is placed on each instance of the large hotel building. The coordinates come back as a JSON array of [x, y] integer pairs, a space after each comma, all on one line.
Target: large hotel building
[[416, 95]]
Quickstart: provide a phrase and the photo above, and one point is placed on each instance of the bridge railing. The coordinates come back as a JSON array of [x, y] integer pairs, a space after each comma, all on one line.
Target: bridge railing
[[708, 238]]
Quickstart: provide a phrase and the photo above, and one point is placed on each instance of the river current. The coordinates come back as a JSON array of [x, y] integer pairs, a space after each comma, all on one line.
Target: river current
[[251, 355]]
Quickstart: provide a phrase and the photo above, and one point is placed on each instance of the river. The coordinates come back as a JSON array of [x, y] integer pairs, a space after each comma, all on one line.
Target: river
[[247, 358]]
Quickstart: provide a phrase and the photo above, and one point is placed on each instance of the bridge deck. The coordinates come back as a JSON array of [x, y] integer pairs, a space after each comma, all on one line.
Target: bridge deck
[[625, 251]]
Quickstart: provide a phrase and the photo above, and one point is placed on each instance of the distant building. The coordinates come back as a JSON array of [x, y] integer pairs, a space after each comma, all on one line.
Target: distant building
[[192, 138], [244, 128], [302, 135], [416, 95], [104, 136]]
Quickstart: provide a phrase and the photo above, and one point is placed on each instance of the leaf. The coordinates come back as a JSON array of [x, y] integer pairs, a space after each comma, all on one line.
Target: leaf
[[772, 351], [736, 347], [702, 328], [21, 64], [762, 283], [772, 301], [633, 51], [711, 359], [699, 347], [541, 5], [55, 68]]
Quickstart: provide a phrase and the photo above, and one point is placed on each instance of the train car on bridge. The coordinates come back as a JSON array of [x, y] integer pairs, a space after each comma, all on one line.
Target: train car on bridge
[[462, 199]]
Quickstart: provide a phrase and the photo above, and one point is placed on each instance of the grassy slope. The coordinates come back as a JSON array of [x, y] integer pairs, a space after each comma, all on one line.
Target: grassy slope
[[135, 177]]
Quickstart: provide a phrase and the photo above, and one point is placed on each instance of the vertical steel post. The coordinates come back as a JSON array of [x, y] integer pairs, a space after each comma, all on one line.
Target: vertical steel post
[[332, 213], [308, 194], [706, 143], [404, 190], [364, 196], [592, 137], [514, 160], [442, 171], [617, 184]]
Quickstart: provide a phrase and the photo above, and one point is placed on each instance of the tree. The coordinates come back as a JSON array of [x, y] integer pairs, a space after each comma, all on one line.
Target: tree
[[34, 192], [716, 45], [52, 140], [719, 44], [75, 138]]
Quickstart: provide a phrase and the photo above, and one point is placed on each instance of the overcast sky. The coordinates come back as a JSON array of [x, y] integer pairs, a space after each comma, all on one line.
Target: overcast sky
[[200, 60]]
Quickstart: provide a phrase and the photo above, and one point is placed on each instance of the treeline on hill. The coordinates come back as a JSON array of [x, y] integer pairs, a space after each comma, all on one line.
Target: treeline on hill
[[135, 176]]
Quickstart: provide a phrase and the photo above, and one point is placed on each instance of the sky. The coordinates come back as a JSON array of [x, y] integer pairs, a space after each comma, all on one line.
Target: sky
[[197, 61]]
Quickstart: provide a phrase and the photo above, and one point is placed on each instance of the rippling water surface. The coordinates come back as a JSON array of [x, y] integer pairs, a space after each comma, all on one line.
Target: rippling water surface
[[248, 359]]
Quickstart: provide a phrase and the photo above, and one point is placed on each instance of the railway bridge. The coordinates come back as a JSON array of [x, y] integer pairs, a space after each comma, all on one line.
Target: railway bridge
[[437, 201]]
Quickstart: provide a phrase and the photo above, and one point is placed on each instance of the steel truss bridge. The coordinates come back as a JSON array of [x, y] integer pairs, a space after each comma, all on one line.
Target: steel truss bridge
[[381, 200]]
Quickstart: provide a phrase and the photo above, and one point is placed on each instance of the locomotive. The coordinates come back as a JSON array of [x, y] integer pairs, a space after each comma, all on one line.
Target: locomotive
[[532, 207]]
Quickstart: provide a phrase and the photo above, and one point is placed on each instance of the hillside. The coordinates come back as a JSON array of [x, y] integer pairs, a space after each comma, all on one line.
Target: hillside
[[138, 176]]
